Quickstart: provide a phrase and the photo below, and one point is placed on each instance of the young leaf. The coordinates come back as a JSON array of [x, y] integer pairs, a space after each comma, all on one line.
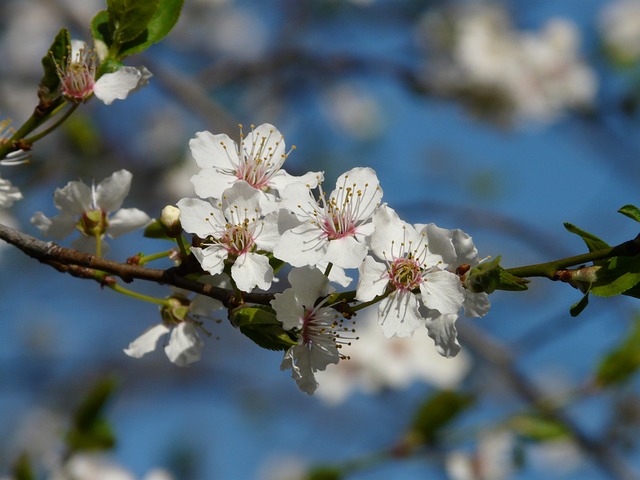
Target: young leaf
[[539, 428], [259, 323], [164, 19], [577, 308], [130, 18], [490, 276], [437, 412], [618, 275], [89, 429], [49, 88], [622, 362], [101, 30], [22, 469], [631, 211], [593, 243]]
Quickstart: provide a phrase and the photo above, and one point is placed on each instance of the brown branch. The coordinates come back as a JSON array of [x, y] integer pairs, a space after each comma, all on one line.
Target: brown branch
[[84, 265]]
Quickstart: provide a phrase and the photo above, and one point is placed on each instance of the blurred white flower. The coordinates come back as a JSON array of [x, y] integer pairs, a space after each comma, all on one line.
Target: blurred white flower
[[540, 74], [89, 209], [492, 459], [354, 111], [8, 193], [620, 29], [377, 363]]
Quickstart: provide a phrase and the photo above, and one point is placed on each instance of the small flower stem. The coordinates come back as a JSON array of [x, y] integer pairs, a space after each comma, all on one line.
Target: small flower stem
[[184, 251], [327, 270], [98, 245], [146, 298], [34, 138], [550, 269], [149, 258]]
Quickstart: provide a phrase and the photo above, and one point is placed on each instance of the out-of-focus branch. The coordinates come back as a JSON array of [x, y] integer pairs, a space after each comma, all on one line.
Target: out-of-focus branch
[[503, 361], [84, 265]]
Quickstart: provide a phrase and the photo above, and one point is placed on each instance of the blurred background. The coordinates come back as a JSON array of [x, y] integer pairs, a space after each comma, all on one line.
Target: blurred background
[[503, 118]]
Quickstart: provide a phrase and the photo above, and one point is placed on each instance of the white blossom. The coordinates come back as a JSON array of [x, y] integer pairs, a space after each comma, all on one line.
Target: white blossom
[[316, 324], [257, 160], [233, 230], [78, 77], [409, 270], [620, 29], [93, 210], [331, 230], [8, 193]]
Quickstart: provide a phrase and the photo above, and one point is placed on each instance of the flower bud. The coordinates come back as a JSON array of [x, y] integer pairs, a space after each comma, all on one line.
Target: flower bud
[[170, 219]]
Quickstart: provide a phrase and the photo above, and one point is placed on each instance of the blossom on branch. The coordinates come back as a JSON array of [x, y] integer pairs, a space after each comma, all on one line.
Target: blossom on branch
[[234, 230], [89, 209], [257, 160], [78, 80], [181, 318], [331, 230], [8, 193], [317, 325], [409, 270]]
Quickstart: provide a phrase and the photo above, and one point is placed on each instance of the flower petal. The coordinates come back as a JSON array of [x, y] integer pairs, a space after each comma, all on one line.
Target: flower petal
[[146, 342], [185, 345], [74, 198], [126, 220], [372, 281], [58, 227], [345, 252], [442, 291], [252, 270], [442, 328], [200, 217], [398, 314], [215, 151], [111, 192], [118, 85], [302, 245]]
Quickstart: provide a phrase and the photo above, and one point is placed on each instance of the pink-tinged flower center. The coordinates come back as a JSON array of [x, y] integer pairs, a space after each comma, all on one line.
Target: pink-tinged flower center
[[405, 273], [322, 326], [255, 172], [338, 225], [77, 77], [238, 239], [93, 223]]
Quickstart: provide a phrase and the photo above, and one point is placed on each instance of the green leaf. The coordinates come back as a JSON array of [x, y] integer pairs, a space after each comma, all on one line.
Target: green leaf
[[89, 429], [162, 22], [539, 428], [623, 361], [260, 324], [130, 18], [22, 469], [577, 308], [616, 276], [593, 243], [490, 276], [324, 473], [49, 88], [101, 29], [631, 211], [437, 412]]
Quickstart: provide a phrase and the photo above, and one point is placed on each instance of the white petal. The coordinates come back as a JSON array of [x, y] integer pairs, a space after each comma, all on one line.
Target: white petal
[[268, 232], [118, 85], [185, 345], [465, 249], [200, 217], [111, 192], [390, 233], [398, 314], [211, 258], [476, 304], [309, 284], [8, 193], [440, 246], [146, 342], [443, 292], [58, 227], [214, 151], [281, 180], [372, 281], [442, 328], [241, 201], [252, 270], [288, 310], [211, 182], [302, 245], [365, 187], [300, 369], [74, 198], [126, 220], [345, 252]]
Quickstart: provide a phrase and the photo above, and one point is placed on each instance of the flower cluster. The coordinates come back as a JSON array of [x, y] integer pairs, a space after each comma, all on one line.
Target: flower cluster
[[250, 215], [537, 75], [251, 218]]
